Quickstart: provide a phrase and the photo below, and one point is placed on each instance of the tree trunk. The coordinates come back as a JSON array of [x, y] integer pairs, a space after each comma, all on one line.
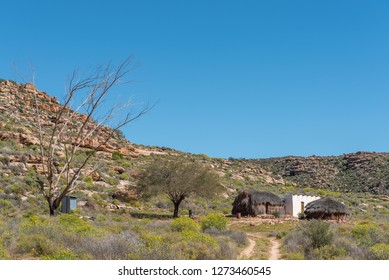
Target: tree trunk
[[53, 210], [53, 206], [176, 206], [176, 199]]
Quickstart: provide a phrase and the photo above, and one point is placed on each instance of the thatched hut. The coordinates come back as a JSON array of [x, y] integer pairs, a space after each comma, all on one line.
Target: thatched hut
[[326, 208], [253, 203]]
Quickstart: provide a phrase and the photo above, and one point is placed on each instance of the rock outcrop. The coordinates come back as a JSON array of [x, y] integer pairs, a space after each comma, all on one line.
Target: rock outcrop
[[19, 119]]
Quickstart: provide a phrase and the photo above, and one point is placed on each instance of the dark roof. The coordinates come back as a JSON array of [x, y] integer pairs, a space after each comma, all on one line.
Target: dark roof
[[246, 202], [265, 197], [326, 205]]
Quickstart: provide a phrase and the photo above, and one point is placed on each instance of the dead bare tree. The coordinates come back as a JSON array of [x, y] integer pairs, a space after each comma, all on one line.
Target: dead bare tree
[[72, 130]]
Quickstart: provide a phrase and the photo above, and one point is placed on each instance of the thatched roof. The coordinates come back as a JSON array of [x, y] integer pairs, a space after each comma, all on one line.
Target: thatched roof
[[246, 201], [326, 205], [265, 197]]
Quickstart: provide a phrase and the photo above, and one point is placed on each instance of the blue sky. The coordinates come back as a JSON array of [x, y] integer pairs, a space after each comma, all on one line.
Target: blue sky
[[231, 78]]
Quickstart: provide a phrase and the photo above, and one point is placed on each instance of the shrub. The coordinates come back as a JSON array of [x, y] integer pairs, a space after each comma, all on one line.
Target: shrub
[[75, 224], [184, 223], [113, 181], [321, 192], [124, 176], [33, 220], [217, 221], [276, 215], [3, 254], [194, 245], [319, 233], [6, 206], [228, 250], [89, 181], [366, 234], [61, 255], [307, 237], [117, 156], [278, 234], [111, 247], [295, 256], [5, 160], [189, 235], [301, 215], [380, 251], [329, 252], [162, 205], [36, 244], [354, 251], [238, 237]]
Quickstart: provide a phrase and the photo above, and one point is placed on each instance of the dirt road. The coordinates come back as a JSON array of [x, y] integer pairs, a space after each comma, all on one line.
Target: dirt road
[[274, 251]]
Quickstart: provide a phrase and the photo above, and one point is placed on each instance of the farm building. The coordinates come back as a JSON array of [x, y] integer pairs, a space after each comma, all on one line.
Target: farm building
[[253, 203], [295, 204], [326, 208]]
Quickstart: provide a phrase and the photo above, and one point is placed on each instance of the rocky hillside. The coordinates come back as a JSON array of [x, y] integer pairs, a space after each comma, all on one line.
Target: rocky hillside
[[359, 172], [18, 119]]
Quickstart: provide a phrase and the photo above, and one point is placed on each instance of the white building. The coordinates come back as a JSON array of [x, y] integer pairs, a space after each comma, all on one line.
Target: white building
[[295, 204]]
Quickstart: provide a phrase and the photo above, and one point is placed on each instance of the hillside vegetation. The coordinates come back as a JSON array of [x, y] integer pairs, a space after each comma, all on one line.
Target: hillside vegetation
[[113, 222]]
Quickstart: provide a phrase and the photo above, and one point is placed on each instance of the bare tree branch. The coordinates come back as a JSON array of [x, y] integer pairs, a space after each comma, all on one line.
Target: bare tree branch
[[72, 129]]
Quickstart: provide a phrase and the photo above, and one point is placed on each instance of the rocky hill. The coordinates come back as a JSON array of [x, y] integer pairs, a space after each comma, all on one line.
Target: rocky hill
[[18, 118], [359, 172]]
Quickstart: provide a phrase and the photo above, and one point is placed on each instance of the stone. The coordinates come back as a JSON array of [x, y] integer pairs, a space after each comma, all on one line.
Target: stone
[[125, 195], [96, 176], [118, 169]]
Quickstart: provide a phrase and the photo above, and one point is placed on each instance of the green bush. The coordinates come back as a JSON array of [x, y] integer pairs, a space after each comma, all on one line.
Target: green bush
[[36, 244], [117, 156], [6, 206], [366, 234], [124, 176], [217, 221], [321, 192], [301, 215], [189, 235], [3, 253], [113, 181], [152, 240], [194, 245], [380, 251], [276, 215], [319, 233], [33, 220], [75, 224], [307, 237], [184, 223], [295, 256], [329, 252], [61, 255]]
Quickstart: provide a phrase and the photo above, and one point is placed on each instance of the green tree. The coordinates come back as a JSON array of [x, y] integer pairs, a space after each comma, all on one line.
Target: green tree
[[178, 178]]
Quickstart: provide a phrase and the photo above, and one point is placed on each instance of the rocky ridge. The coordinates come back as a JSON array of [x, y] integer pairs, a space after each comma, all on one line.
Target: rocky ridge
[[360, 171], [18, 116]]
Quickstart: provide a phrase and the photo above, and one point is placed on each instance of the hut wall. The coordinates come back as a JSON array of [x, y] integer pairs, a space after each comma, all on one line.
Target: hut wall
[[326, 216], [293, 203], [259, 209], [276, 209], [338, 217]]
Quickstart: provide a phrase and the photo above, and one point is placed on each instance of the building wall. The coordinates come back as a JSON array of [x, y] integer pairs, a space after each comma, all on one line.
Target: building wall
[[293, 203], [276, 209], [271, 209]]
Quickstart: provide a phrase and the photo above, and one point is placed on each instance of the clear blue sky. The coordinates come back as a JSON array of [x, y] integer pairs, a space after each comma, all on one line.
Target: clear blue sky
[[232, 78]]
